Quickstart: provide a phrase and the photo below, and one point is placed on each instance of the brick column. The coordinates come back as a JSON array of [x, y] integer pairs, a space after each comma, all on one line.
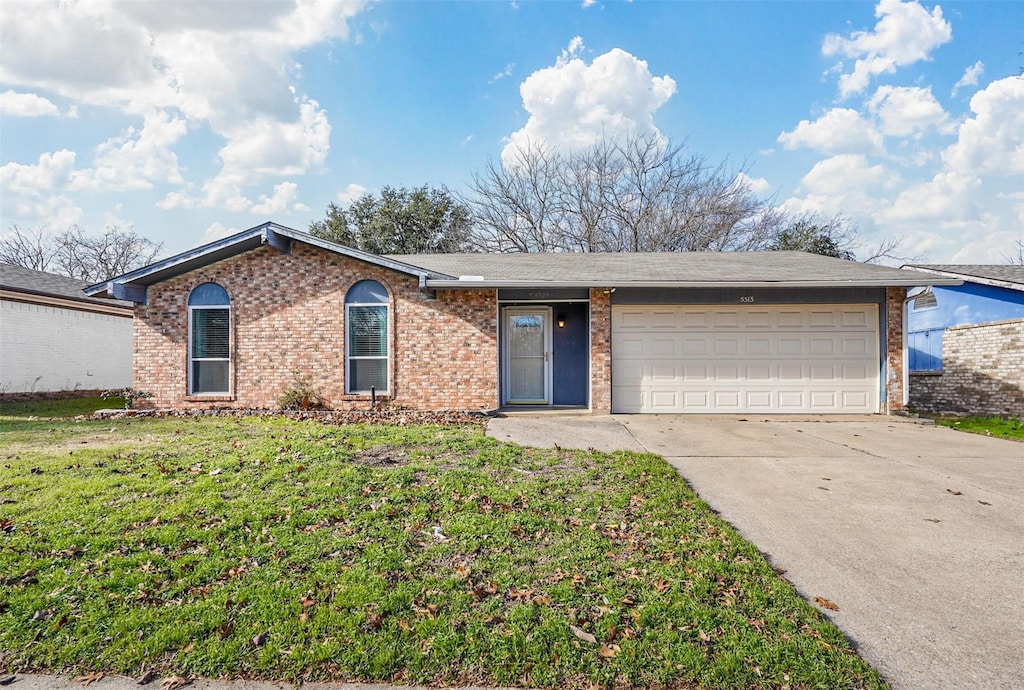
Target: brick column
[[894, 349], [600, 351]]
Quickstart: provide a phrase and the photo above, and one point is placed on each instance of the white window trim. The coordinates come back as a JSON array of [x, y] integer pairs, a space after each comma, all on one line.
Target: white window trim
[[231, 345], [349, 357]]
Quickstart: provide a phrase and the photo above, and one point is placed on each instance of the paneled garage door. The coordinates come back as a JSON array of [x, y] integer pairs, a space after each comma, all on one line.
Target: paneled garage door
[[800, 358]]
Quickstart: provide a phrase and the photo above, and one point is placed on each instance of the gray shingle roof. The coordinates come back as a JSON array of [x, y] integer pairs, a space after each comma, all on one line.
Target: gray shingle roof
[[682, 268], [1002, 273], [22, 279]]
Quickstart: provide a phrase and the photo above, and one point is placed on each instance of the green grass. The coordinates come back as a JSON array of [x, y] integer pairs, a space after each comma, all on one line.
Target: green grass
[[65, 407], [989, 426], [282, 549]]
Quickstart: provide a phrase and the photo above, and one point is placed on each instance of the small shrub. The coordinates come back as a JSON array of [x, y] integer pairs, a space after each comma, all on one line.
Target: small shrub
[[302, 395], [129, 395]]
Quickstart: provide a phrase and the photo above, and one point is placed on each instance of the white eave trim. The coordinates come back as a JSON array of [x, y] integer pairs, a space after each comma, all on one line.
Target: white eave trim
[[967, 278], [542, 284]]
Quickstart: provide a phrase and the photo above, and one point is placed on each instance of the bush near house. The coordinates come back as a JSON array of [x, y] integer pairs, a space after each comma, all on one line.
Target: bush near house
[[277, 548]]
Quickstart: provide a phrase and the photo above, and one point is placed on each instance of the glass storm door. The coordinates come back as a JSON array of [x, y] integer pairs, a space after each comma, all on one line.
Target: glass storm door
[[527, 348]]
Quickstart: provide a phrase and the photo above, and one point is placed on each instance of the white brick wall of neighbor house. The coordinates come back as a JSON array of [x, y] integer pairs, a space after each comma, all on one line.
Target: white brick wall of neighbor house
[[46, 348], [982, 372]]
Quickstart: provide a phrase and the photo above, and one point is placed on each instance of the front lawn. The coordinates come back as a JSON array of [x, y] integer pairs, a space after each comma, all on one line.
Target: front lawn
[[283, 549], [988, 426]]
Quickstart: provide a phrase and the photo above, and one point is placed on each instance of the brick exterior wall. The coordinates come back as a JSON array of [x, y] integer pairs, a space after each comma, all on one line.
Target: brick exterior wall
[[287, 313], [600, 351], [982, 372], [894, 349]]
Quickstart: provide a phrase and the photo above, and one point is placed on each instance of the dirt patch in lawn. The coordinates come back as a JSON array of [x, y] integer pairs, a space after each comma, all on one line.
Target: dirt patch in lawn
[[383, 456]]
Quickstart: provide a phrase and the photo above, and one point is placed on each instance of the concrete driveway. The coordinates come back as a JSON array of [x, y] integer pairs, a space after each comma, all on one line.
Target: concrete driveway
[[916, 532]]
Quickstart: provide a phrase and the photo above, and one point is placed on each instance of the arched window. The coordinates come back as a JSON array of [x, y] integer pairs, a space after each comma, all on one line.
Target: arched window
[[209, 338], [366, 338]]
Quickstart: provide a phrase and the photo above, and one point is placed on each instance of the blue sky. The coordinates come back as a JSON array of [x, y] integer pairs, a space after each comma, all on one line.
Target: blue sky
[[193, 119]]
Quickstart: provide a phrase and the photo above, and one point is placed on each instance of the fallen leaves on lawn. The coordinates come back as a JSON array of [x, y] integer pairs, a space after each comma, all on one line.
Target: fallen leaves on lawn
[[609, 651], [583, 634], [259, 640], [89, 678], [825, 603], [308, 601], [174, 682]]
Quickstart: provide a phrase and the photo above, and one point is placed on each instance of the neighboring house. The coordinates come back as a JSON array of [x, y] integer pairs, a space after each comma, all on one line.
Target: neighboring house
[[53, 337], [966, 342], [231, 323]]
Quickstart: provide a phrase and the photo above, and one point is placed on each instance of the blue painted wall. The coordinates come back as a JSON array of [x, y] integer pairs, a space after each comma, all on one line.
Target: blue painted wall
[[571, 353], [969, 303]]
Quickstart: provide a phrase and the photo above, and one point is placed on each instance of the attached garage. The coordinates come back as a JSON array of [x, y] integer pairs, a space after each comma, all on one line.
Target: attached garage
[[742, 358]]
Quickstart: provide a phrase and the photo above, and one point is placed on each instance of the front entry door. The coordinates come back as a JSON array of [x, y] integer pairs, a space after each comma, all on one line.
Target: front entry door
[[528, 355]]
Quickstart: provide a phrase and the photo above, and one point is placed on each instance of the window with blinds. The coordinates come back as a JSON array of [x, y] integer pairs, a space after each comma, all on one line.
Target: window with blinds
[[209, 312], [366, 338]]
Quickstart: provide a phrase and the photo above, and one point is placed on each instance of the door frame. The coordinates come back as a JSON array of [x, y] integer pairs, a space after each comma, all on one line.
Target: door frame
[[506, 356]]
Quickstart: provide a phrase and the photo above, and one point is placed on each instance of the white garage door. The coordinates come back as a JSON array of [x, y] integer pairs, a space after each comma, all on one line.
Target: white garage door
[[799, 358]]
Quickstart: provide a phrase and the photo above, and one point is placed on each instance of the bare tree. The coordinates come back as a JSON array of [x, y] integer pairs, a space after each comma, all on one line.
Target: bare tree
[[1016, 257], [76, 254], [634, 193], [34, 250]]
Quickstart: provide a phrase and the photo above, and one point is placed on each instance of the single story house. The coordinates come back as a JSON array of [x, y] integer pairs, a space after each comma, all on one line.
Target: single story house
[[230, 324], [966, 342], [53, 337]]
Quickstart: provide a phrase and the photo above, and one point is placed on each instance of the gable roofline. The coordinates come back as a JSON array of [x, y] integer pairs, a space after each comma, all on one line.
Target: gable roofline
[[965, 275], [132, 285]]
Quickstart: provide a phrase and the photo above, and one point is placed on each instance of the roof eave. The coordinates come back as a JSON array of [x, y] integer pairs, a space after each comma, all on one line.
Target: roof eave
[[495, 284], [966, 277], [247, 240]]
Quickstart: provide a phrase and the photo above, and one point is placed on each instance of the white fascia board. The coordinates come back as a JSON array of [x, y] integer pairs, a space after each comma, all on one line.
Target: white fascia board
[[490, 284], [967, 278]]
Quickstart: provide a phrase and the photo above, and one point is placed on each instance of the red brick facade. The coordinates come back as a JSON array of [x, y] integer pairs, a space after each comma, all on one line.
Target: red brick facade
[[600, 351], [288, 315], [894, 363]]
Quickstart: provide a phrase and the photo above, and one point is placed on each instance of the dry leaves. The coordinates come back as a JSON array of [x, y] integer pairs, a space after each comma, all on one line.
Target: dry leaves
[[89, 678], [583, 634], [825, 603], [174, 682], [608, 651]]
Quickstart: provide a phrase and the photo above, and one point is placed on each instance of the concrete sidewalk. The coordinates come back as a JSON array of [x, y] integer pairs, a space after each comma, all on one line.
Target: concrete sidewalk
[[915, 531]]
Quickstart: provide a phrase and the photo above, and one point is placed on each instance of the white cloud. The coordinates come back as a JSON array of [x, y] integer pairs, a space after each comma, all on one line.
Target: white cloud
[[992, 142], [282, 200], [35, 191], [176, 200], [265, 146], [840, 130], [507, 72], [905, 110], [53, 171], [26, 105], [946, 197], [217, 231], [136, 159], [758, 185], [588, 3], [351, 192], [970, 78], [904, 34], [573, 104], [203, 63]]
